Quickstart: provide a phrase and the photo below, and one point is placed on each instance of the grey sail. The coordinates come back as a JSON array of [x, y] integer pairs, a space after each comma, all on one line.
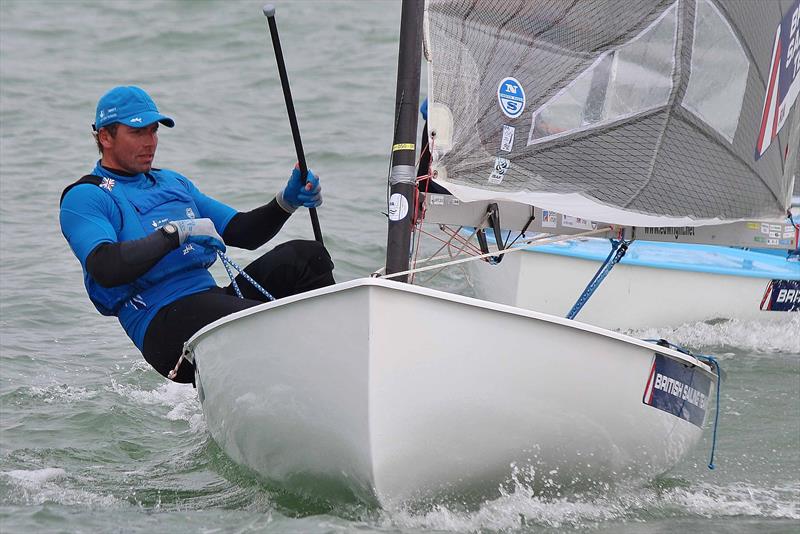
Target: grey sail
[[651, 112]]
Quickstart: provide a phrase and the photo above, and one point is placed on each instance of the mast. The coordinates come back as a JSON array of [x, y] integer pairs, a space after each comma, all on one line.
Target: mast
[[403, 173]]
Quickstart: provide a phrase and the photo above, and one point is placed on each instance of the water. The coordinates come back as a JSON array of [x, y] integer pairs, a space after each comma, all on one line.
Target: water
[[93, 440]]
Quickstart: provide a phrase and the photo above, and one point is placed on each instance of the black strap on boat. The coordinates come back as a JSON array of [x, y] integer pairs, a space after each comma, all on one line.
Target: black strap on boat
[[493, 215], [521, 232]]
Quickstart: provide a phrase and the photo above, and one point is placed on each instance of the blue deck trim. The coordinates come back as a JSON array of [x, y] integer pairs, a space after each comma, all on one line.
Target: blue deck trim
[[683, 257]]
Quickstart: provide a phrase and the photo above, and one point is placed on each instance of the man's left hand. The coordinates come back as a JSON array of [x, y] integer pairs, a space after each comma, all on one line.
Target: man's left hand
[[295, 194]]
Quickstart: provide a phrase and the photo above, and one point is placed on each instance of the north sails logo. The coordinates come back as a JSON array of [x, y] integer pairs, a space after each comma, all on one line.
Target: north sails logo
[[136, 119], [107, 183]]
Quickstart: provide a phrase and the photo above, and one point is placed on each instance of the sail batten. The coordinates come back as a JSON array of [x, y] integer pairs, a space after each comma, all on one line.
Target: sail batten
[[640, 113]]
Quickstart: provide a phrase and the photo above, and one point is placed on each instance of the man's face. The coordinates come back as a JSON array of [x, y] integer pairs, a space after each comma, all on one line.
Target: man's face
[[131, 149]]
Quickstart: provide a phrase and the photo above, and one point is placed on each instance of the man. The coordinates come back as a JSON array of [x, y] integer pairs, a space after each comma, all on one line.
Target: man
[[145, 237]]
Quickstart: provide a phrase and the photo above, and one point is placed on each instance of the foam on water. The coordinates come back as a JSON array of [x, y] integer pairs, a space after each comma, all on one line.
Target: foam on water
[[764, 336], [50, 485], [60, 393], [181, 399], [521, 507]]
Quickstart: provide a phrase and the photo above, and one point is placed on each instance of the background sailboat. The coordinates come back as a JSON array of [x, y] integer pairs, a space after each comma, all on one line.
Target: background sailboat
[[690, 120], [654, 285]]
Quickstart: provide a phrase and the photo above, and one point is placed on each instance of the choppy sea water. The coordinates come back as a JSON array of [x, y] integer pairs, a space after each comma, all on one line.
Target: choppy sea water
[[92, 440]]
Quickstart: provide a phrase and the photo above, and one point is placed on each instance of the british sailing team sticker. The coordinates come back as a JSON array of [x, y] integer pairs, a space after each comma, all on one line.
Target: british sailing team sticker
[[677, 388], [782, 295], [511, 97], [398, 207]]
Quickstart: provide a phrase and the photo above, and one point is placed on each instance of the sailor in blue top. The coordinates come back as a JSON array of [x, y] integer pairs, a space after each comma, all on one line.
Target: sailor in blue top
[[145, 237]]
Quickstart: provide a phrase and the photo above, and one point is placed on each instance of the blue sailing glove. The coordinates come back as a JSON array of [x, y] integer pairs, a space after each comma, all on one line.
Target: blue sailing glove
[[200, 231], [295, 194], [424, 109]]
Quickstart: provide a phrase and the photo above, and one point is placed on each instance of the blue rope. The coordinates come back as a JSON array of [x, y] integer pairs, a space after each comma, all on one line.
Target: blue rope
[[713, 360], [718, 369], [618, 250], [228, 263]]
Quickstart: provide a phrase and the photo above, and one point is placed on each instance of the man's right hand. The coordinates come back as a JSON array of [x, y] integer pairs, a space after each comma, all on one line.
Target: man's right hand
[[200, 231]]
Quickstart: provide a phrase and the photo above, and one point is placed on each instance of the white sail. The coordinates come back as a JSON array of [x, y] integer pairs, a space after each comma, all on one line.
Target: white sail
[[647, 113]]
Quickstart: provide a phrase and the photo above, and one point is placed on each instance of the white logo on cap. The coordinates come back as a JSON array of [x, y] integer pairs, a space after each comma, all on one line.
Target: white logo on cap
[[136, 119]]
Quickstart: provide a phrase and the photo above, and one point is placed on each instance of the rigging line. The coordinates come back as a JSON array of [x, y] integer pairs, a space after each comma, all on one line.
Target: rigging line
[[532, 242], [454, 235], [419, 217], [467, 242], [527, 243], [450, 253], [227, 261], [618, 250], [713, 360]]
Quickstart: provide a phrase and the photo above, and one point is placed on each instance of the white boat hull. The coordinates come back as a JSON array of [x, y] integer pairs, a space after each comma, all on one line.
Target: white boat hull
[[324, 387], [631, 296]]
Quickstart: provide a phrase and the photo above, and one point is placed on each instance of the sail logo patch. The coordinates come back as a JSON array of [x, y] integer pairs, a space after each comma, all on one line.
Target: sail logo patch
[[677, 388], [511, 97], [783, 85], [398, 207], [782, 295], [549, 219], [576, 222], [507, 142], [500, 168]]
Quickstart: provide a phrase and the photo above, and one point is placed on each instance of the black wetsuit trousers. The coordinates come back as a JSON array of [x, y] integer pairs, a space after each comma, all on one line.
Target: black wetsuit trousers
[[290, 268]]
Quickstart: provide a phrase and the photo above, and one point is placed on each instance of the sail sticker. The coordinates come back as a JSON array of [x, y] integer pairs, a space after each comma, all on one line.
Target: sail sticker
[[549, 219], [507, 142], [402, 146], [677, 388], [781, 295], [676, 231], [783, 85], [576, 222], [398, 207], [500, 168], [511, 97]]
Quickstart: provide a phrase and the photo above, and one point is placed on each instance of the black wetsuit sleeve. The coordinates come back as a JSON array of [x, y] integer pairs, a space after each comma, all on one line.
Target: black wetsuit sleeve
[[114, 264], [252, 229]]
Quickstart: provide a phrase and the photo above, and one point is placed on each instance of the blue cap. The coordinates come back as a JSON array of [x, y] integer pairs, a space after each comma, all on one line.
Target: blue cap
[[128, 105]]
